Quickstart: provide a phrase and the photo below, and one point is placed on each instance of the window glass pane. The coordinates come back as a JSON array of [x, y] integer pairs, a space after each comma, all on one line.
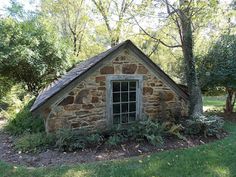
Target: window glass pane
[[132, 107], [124, 86], [116, 97], [124, 101], [124, 118], [124, 97], [132, 86], [116, 86], [116, 108], [124, 107], [132, 96], [132, 117], [116, 119]]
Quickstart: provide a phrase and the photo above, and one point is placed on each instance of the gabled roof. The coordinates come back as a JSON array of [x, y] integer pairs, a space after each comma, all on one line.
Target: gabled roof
[[58, 85]]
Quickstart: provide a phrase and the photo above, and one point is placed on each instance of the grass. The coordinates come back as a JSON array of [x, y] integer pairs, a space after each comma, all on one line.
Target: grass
[[215, 103], [217, 159]]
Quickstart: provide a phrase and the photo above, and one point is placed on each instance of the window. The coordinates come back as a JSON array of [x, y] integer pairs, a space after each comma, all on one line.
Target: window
[[124, 98], [124, 101]]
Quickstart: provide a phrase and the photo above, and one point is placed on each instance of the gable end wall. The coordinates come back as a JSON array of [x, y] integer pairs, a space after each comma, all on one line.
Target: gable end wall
[[85, 105]]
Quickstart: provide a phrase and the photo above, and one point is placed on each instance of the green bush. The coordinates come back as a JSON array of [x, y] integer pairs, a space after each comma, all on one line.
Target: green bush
[[205, 125], [24, 122], [69, 140], [116, 139], [34, 142], [147, 129], [171, 128]]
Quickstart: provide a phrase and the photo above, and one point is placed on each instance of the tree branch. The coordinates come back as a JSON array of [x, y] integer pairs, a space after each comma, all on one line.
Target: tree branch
[[156, 39]]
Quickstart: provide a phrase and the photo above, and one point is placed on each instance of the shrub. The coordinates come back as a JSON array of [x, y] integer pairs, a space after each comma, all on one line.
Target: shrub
[[34, 142], [206, 125], [69, 140], [171, 128], [147, 129], [115, 139], [24, 122]]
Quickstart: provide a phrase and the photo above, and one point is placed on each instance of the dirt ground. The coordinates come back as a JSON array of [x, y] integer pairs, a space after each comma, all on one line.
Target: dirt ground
[[54, 157]]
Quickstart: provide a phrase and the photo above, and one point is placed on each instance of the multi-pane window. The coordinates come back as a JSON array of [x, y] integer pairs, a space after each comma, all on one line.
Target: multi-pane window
[[124, 101]]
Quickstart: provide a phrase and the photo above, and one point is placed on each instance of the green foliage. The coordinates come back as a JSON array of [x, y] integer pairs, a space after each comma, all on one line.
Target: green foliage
[[34, 142], [116, 139], [30, 54], [69, 140], [146, 129], [174, 129], [24, 122], [210, 125], [5, 86], [219, 65]]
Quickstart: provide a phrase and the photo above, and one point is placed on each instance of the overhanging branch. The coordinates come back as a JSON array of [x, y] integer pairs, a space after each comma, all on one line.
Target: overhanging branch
[[156, 39]]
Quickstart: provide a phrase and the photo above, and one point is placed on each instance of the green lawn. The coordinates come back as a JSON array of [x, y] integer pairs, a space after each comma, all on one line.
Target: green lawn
[[214, 103], [213, 159]]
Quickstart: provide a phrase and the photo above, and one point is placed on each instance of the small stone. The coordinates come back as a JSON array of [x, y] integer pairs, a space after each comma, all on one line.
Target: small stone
[[101, 88], [142, 70], [87, 106], [147, 91], [72, 107], [82, 94], [81, 113], [95, 99], [67, 100], [102, 84], [129, 68], [168, 95], [100, 78], [107, 70]]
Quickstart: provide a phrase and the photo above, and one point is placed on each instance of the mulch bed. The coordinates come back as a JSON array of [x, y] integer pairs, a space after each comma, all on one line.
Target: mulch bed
[[54, 157]]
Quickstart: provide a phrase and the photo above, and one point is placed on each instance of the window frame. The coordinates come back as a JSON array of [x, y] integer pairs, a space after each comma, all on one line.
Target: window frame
[[109, 102]]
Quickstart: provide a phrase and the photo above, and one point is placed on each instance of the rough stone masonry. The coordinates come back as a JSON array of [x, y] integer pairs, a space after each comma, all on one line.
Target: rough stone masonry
[[85, 105]]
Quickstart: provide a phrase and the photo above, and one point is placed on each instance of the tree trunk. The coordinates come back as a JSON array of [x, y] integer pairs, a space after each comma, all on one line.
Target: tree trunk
[[195, 102], [75, 43], [229, 106]]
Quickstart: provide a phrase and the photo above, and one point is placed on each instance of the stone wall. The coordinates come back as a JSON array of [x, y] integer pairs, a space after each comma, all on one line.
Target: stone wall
[[85, 105]]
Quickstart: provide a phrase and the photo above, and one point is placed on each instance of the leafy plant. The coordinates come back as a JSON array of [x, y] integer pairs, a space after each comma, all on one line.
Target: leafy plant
[[24, 122], [69, 140], [34, 142], [206, 125], [173, 129], [146, 129], [116, 139]]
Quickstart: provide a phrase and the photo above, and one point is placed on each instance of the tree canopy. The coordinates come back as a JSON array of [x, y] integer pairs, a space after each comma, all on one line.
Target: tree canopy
[[30, 54], [219, 68]]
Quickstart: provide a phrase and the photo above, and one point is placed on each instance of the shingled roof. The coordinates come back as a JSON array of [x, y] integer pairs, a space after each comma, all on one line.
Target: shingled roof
[[83, 67]]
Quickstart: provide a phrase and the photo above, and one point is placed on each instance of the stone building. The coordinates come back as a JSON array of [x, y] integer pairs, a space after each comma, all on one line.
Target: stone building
[[119, 86]]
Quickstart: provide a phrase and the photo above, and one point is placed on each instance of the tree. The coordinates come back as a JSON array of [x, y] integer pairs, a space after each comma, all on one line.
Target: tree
[[183, 16], [70, 17], [117, 14], [219, 68], [29, 54]]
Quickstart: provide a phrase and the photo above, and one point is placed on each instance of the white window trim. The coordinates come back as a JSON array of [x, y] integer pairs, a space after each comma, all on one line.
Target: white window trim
[[139, 94]]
